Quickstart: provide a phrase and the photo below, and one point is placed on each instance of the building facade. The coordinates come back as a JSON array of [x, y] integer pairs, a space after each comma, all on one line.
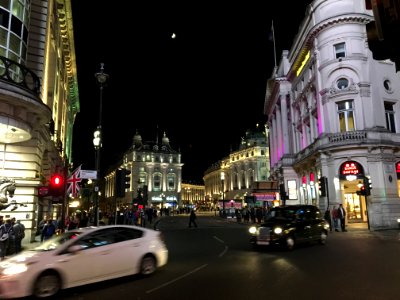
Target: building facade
[[230, 181], [333, 112], [156, 175], [38, 104], [193, 196]]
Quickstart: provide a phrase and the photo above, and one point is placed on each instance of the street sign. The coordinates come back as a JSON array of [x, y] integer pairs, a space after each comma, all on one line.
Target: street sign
[[43, 191], [88, 174]]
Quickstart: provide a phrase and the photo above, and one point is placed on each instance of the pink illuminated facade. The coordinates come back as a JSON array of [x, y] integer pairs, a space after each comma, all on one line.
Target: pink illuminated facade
[[334, 111]]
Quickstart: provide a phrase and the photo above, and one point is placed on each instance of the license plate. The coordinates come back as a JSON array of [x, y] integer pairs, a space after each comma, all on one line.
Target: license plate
[[262, 243]]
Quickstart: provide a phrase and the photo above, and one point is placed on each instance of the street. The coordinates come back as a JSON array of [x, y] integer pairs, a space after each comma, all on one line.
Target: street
[[216, 261]]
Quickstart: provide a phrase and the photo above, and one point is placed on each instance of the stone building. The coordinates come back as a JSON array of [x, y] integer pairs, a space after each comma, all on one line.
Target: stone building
[[333, 112]]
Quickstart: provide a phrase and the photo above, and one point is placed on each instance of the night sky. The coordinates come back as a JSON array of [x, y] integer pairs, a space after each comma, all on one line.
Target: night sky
[[204, 88]]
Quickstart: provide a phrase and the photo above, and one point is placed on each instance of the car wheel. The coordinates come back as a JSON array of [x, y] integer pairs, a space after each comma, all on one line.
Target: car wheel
[[148, 265], [290, 243], [323, 238], [48, 284]]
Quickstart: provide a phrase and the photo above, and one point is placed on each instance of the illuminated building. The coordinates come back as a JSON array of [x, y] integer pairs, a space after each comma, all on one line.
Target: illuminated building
[[333, 111], [156, 174], [38, 103], [243, 171]]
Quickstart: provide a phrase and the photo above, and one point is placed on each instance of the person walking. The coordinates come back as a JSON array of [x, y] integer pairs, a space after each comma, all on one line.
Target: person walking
[[19, 233], [342, 217], [192, 219]]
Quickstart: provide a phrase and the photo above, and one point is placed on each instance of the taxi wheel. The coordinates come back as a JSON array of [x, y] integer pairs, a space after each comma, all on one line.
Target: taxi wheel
[[48, 284], [148, 265]]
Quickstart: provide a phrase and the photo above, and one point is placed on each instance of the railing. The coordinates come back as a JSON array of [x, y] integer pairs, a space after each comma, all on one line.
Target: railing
[[17, 74], [348, 136]]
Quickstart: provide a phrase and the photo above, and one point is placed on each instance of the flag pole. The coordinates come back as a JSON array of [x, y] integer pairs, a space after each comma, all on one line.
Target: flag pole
[[273, 40]]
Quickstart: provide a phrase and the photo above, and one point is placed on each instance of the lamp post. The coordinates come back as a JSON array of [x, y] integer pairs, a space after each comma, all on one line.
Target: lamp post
[[223, 194], [101, 79]]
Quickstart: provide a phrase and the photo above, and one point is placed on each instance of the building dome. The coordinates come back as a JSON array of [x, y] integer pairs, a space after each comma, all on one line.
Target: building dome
[[165, 139], [137, 140]]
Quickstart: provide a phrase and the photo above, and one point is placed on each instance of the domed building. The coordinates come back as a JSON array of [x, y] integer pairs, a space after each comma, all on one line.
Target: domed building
[[155, 174]]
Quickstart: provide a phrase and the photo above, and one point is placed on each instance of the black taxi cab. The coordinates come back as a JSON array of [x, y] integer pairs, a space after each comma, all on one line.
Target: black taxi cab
[[290, 225]]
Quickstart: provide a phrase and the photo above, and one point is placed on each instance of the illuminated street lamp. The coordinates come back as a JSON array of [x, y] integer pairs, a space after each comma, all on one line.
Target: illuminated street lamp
[[223, 194], [101, 79]]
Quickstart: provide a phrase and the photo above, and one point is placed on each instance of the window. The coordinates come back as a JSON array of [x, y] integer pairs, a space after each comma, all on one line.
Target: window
[[171, 182], [387, 85], [157, 182], [342, 83], [346, 116], [340, 50], [389, 114]]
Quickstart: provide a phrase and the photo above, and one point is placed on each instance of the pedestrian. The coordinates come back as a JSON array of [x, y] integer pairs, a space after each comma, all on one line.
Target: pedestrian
[[48, 230], [342, 217], [192, 219], [327, 217], [19, 232], [335, 218], [4, 244]]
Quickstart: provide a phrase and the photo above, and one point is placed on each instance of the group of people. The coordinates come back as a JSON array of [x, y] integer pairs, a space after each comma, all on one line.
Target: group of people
[[339, 218], [15, 231]]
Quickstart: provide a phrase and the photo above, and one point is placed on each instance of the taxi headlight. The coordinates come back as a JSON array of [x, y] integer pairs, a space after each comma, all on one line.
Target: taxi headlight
[[278, 230], [253, 229], [14, 269]]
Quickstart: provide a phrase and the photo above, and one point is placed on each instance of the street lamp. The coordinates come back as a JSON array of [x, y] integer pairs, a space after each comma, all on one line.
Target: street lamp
[[223, 194], [101, 79]]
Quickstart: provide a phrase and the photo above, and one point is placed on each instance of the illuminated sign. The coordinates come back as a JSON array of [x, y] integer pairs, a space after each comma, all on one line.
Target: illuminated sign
[[398, 167], [351, 168], [303, 63], [265, 196]]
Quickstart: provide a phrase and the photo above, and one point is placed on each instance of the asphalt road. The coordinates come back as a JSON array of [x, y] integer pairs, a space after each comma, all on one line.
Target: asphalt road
[[215, 261]]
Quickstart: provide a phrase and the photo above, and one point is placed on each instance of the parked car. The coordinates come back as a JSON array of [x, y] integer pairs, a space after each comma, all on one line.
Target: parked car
[[82, 256], [290, 225]]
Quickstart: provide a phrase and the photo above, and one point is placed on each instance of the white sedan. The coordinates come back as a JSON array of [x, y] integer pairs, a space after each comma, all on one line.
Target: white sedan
[[82, 256]]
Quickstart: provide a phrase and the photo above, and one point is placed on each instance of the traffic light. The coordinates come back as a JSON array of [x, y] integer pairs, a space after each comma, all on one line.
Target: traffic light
[[362, 191], [122, 182], [322, 183], [57, 185], [367, 186]]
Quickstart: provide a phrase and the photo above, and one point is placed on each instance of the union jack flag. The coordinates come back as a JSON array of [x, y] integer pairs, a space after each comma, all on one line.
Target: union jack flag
[[73, 181]]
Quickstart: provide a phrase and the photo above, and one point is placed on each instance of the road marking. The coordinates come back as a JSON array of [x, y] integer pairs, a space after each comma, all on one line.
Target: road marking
[[222, 242], [176, 279]]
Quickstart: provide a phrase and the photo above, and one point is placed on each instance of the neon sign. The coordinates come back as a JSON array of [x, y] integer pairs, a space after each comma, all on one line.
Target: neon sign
[[350, 168]]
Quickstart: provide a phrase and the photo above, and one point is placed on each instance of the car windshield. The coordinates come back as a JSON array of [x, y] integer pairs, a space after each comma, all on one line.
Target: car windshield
[[57, 240], [282, 213]]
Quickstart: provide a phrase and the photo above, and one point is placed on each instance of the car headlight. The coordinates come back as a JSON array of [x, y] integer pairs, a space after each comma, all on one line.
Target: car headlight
[[14, 269], [278, 230], [253, 229]]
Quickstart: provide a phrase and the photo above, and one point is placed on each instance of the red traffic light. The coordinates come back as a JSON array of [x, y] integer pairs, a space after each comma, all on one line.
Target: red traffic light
[[57, 185], [57, 180]]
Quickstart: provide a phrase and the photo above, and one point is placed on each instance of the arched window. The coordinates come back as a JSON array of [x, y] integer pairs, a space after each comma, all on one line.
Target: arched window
[[157, 178], [171, 179]]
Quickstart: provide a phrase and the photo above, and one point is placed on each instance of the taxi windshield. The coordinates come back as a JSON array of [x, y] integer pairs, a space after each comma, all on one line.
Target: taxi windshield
[[57, 240]]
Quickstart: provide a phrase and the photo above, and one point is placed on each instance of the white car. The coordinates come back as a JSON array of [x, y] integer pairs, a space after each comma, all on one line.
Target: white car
[[82, 256]]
